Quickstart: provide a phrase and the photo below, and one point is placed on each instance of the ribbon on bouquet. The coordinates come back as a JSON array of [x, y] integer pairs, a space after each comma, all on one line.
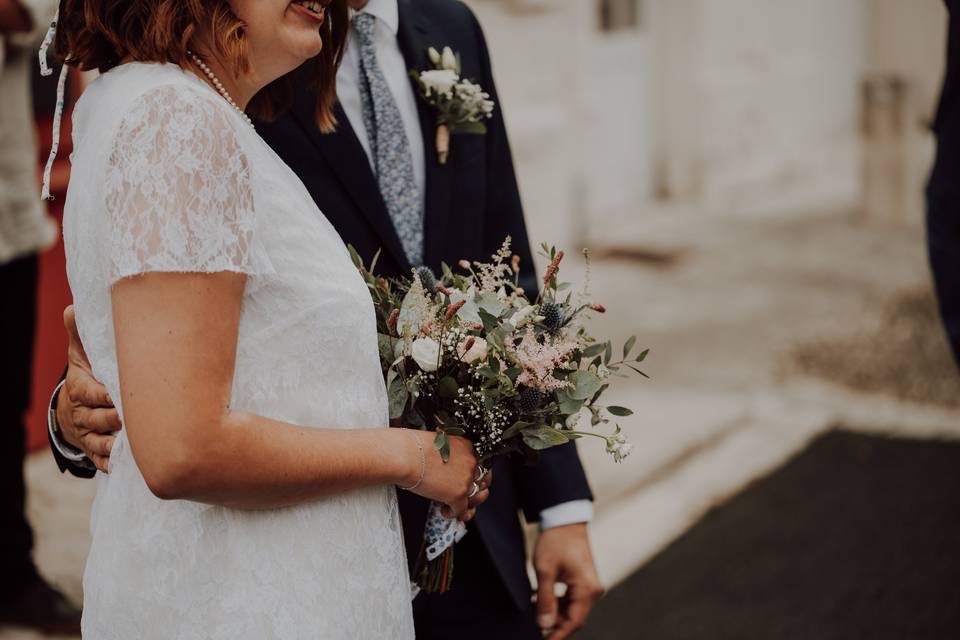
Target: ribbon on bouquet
[[440, 534]]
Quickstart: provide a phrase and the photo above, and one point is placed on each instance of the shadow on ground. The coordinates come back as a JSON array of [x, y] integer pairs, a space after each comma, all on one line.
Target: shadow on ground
[[856, 537], [903, 353]]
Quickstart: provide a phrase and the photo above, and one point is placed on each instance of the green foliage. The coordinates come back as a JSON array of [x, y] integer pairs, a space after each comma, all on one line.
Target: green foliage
[[397, 397], [544, 437], [585, 384]]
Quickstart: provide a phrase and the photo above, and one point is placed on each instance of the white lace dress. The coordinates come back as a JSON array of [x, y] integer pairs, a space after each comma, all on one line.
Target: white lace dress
[[167, 177]]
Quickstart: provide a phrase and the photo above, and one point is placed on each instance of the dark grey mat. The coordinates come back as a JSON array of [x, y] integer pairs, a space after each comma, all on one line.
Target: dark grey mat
[[856, 537]]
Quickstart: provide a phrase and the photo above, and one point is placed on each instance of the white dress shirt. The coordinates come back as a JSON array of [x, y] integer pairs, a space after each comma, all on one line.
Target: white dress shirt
[[396, 73]]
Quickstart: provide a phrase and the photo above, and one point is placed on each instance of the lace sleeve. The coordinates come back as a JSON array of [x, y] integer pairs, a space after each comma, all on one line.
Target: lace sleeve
[[178, 192]]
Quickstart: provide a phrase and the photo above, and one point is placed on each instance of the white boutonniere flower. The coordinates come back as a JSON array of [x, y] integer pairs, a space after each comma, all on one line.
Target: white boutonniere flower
[[461, 105]]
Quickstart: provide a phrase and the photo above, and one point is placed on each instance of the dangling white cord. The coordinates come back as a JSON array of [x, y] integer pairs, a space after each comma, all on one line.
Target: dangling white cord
[[58, 112], [47, 41], [55, 144]]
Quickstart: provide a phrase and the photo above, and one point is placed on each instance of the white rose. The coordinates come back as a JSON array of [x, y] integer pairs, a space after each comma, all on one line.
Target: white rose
[[440, 81], [477, 351], [426, 352], [522, 316], [448, 60]]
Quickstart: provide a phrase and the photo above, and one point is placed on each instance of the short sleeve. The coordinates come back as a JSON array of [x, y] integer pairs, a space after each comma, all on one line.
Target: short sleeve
[[178, 195]]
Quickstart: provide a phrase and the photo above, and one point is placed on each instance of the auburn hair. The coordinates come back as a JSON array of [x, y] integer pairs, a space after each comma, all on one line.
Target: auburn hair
[[98, 34]]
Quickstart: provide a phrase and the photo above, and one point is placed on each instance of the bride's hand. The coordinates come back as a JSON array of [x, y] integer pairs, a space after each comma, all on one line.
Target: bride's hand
[[450, 483]]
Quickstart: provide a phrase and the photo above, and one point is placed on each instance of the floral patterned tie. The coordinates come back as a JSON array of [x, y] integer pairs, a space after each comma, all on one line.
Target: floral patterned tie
[[389, 145]]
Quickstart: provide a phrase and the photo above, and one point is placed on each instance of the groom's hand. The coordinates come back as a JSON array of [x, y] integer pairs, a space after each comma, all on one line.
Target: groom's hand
[[85, 414], [563, 555]]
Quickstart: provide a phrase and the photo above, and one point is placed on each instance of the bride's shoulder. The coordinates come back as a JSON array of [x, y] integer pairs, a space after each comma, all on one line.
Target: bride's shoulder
[[156, 97]]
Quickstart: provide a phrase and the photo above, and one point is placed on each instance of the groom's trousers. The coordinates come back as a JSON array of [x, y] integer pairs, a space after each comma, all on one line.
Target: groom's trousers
[[18, 284], [477, 607], [943, 241]]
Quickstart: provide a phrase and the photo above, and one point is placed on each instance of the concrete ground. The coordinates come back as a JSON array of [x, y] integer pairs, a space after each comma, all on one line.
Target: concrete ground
[[729, 306]]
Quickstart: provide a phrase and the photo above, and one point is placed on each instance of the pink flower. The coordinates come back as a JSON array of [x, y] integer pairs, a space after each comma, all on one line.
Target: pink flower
[[453, 308], [538, 361], [392, 320], [472, 350]]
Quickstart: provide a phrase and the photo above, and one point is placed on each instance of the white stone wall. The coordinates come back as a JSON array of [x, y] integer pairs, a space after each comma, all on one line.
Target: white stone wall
[[757, 101], [732, 106]]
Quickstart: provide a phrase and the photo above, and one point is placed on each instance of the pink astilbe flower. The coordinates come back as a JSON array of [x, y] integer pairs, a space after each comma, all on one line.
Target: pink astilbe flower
[[537, 360], [552, 268], [418, 311]]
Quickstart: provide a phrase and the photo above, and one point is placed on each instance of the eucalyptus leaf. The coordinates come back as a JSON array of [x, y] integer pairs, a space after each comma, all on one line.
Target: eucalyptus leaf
[[490, 303], [469, 312], [628, 347], [638, 371], [495, 339], [515, 429], [397, 397], [490, 322], [385, 346], [544, 437], [568, 405], [643, 355], [585, 384], [355, 257], [447, 387], [599, 393], [607, 352], [594, 350], [620, 411], [442, 444]]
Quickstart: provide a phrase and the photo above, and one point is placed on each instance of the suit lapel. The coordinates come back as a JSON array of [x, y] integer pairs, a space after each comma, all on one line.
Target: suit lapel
[[349, 162], [414, 38]]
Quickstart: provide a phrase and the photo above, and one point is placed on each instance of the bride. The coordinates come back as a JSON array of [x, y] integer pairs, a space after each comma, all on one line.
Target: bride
[[251, 493]]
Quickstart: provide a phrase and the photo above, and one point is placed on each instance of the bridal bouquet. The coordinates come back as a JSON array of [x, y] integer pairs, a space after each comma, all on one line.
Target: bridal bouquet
[[468, 354]]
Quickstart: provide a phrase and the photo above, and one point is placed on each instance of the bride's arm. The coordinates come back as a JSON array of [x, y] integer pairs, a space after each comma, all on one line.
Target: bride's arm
[[176, 338]]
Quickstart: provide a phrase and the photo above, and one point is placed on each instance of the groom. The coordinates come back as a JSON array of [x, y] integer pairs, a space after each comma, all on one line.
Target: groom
[[379, 182]]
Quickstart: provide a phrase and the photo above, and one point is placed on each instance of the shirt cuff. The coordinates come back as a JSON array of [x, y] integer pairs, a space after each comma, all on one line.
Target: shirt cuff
[[64, 449], [573, 512]]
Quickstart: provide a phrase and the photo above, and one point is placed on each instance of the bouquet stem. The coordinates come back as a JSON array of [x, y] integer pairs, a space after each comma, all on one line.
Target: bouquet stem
[[435, 576]]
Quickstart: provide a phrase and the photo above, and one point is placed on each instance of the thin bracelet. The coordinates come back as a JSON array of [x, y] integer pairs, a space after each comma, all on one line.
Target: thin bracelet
[[423, 464]]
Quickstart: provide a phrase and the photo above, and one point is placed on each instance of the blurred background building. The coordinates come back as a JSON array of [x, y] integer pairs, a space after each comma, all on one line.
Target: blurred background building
[[737, 107]]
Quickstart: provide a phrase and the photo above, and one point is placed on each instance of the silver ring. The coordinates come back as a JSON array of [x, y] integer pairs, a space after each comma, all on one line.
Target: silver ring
[[481, 471], [474, 490]]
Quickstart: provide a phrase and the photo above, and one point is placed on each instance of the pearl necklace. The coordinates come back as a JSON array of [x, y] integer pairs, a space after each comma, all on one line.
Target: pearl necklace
[[219, 86]]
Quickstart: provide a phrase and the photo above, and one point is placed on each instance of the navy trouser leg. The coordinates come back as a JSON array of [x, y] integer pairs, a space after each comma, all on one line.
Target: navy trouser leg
[[18, 283], [943, 240], [478, 606]]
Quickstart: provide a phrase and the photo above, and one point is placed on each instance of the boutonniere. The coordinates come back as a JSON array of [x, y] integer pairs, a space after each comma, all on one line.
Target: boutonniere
[[461, 105]]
